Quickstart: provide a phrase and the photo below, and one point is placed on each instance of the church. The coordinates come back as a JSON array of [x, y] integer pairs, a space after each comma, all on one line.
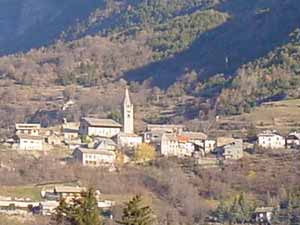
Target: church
[[128, 138], [123, 135]]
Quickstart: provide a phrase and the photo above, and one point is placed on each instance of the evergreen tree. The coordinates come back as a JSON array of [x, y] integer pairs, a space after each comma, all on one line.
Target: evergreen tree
[[241, 210], [135, 213], [81, 211], [222, 212], [86, 209], [62, 215]]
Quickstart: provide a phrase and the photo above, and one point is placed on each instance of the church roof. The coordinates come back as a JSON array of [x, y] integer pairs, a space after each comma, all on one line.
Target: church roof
[[127, 98], [93, 122]]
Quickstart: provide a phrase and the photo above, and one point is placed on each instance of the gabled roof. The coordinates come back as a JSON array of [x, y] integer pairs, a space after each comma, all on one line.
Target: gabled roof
[[27, 126], [268, 133], [106, 141], [95, 151], [294, 136], [71, 127], [151, 127], [30, 137], [69, 189], [195, 135], [93, 122], [175, 137]]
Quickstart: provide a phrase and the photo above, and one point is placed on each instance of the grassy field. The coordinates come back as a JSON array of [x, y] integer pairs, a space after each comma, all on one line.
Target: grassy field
[[31, 192], [282, 116]]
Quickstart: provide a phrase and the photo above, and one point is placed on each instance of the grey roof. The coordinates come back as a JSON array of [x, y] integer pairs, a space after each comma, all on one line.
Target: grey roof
[[93, 122], [69, 189], [164, 126], [264, 209], [95, 151], [107, 141]]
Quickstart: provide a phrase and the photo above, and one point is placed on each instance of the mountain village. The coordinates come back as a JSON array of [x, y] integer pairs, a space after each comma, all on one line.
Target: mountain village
[[95, 141], [102, 142]]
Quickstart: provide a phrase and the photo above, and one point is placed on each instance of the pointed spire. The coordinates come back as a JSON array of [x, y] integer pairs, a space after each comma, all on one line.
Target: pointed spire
[[127, 97], [128, 126]]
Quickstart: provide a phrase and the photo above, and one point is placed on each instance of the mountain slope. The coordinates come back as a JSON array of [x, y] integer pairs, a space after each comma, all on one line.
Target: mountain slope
[[229, 51], [256, 28], [25, 24]]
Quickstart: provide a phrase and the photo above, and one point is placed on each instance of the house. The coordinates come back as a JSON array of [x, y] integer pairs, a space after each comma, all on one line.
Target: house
[[199, 139], [234, 150], [94, 157], [270, 139], [104, 144], [153, 137], [70, 130], [221, 141], [293, 140], [129, 140], [54, 139], [155, 132], [209, 145], [263, 215], [30, 142], [68, 192], [73, 144], [176, 145], [99, 127], [28, 129], [47, 208], [55, 193]]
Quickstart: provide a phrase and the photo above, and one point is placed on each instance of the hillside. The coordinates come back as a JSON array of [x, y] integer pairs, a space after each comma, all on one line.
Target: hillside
[[255, 29], [231, 54], [33, 23]]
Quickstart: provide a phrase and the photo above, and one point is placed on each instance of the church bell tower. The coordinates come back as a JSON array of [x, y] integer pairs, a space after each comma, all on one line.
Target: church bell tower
[[128, 114]]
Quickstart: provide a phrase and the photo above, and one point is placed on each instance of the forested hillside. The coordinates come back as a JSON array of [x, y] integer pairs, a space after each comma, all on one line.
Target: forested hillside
[[236, 53]]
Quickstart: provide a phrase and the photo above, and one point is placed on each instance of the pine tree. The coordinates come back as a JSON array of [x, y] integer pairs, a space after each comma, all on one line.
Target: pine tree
[[241, 210], [81, 211], [136, 214], [86, 209], [222, 212], [62, 215]]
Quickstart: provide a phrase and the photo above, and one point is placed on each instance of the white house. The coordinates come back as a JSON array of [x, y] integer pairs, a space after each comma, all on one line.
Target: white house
[[99, 127], [271, 140], [264, 215], [234, 150], [30, 142], [200, 140], [70, 130], [176, 145], [155, 132], [129, 140], [94, 157]]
